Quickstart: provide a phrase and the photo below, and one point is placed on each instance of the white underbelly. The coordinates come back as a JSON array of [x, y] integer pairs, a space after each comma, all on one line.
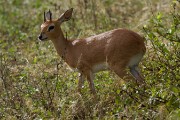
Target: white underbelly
[[99, 67]]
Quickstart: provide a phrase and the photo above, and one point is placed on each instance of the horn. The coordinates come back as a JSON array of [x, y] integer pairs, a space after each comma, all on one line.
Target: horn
[[50, 15], [44, 16]]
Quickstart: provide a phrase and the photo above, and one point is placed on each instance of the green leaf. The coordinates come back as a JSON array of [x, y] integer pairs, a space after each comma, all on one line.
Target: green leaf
[[159, 16], [118, 91], [35, 60]]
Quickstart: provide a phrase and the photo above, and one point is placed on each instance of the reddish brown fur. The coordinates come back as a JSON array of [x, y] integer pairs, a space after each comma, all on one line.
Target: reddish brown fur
[[115, 47]]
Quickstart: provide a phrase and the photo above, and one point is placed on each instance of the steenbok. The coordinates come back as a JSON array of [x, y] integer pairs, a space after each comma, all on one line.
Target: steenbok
[[115, 50]]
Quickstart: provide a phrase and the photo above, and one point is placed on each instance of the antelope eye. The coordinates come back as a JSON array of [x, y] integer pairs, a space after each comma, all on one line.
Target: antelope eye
[[50, 28]]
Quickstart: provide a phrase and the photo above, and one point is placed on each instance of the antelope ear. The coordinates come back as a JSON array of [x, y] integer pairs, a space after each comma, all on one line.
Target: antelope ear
[[66, 16], [48, 15]]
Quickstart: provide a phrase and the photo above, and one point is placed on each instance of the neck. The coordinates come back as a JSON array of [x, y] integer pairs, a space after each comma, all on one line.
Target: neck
[[60, 44]]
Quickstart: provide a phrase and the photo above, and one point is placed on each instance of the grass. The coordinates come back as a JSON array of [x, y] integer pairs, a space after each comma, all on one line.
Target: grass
[[36, 84]]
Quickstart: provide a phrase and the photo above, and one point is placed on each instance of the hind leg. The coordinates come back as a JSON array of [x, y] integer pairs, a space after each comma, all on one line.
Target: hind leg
[[134, 70], [119, 69]]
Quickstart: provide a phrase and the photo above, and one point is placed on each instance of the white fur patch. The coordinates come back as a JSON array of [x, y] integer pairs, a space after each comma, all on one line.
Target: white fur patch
[[100, 67], [135, 60]]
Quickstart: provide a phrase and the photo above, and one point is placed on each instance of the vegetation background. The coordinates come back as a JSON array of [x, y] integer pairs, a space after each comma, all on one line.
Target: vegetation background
[[36, 84]]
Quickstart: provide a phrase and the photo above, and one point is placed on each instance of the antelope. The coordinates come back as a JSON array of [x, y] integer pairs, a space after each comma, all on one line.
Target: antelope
[[113, 50]]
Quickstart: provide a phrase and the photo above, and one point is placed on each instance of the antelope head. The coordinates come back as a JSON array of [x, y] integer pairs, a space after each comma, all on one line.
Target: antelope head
[[50, 29]]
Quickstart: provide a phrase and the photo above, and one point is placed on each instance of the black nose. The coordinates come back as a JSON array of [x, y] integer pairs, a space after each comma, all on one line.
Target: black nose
[[40, 37]]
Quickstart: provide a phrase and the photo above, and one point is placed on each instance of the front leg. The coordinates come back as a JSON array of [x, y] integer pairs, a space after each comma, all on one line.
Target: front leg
[[90, 78], [80, 82]]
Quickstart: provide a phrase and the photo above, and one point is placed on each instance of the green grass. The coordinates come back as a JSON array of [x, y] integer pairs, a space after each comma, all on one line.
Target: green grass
[[36, 84]]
